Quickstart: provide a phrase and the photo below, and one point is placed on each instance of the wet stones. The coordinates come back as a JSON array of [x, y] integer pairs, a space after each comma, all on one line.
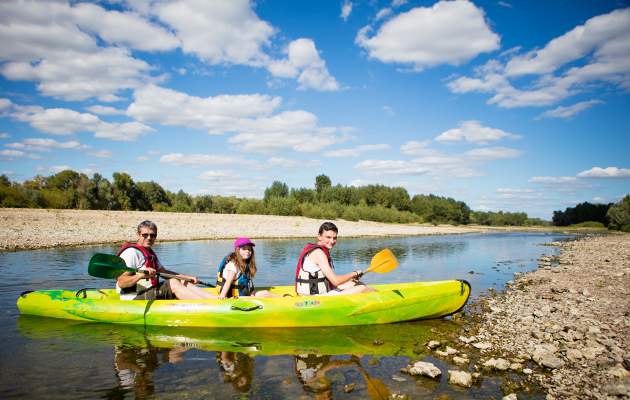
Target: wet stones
[[460, 378], [423, 368]]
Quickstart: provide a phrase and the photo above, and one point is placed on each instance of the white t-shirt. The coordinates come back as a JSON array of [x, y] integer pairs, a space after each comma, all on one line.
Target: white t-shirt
[[134, 259], [231, 266]]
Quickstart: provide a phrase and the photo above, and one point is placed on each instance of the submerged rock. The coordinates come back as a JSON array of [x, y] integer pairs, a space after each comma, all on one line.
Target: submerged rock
[[460, 378], [424, 368]]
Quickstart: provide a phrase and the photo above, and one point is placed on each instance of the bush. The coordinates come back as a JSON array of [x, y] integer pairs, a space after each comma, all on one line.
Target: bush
[[619, 215], [282, 206], [588, 224], [252, 207]]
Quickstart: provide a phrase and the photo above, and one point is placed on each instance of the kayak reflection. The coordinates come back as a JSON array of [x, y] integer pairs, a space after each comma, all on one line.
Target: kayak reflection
[[315, 352], [402, 339]]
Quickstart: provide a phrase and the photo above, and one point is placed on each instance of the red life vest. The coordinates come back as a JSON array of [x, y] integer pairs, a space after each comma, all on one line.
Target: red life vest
[[313, 281], [150, 258]]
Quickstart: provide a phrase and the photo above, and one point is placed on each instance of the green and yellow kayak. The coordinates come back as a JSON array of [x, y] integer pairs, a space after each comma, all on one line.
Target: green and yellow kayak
[[389, 303]]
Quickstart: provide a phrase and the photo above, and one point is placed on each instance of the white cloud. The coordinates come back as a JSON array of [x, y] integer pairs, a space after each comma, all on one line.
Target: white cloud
[[569, 111], [105, 110], [552, 180], [52, 43], [392, 167], [415, 148], [389, 111], [287, 163], [610, 172], [472, 131], [4, 135], [492, 153], [290, 130], [180, 159], [101, 153], [346, 9], [124, 28], [215, 114], [578, 61], [304, 63], [229, 183], [218, 32], [63, 121], [79, 76], [417, 37], [356, 151], [44, 144], [12, 153]]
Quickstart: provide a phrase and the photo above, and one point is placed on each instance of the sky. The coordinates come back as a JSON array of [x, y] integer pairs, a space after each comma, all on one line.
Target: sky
[[506, 105]]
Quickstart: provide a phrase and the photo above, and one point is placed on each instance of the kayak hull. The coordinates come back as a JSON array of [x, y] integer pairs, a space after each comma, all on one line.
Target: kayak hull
[[388, 304]]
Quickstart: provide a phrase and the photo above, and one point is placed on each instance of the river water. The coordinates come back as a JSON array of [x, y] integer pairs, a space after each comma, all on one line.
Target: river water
[[57, 359]]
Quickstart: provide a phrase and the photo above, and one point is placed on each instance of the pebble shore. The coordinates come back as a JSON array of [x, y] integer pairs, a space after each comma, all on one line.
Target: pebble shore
[[23, 229]]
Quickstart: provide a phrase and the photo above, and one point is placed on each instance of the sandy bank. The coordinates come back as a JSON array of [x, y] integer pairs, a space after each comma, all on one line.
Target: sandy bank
[[36, 228]]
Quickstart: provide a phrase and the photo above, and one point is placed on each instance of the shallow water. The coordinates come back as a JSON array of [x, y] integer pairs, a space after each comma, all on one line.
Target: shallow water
[[47, 358]]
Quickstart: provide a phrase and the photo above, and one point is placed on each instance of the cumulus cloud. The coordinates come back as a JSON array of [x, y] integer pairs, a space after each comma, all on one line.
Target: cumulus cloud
[[570, 111], [593, 53], [44, 144], [449, 32], [474, 132], [289, 130], [63, 121], [416, 148], [304, 63], [346, 9], [216, 114], [105, 110], [54, 44], [610, 172], [101, 153], [4, 135], [218, 32], [356, 151], [553, 179], [288, 163], [180, 159], [12, 153]]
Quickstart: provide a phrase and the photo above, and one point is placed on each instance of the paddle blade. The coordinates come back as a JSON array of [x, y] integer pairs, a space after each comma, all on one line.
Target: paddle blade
[[383, 261], [107, 266]]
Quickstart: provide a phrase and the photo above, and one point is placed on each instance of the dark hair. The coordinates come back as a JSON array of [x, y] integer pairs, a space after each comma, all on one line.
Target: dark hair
[[328, 226], [147, 224]]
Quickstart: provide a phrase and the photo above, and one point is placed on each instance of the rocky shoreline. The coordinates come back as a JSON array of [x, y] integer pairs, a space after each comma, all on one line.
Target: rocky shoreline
[[564, 327], [24, 229]]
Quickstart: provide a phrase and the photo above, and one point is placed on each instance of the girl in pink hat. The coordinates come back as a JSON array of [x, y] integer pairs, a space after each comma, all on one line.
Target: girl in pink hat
[[237, 270]]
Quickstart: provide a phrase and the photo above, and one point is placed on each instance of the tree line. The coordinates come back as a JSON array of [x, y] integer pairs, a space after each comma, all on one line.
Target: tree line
[[73, 190], [614, 216]]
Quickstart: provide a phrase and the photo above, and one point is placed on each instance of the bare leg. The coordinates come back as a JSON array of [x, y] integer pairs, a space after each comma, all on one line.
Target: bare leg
[[187, 291], [265, 293], [351, 287]]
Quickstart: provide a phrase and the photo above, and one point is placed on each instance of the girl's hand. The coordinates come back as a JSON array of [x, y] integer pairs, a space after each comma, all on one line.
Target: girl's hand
[[221, 297]]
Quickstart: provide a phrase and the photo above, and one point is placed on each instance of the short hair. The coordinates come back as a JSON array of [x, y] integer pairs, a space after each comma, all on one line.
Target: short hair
[[147, 224], [328, 226]]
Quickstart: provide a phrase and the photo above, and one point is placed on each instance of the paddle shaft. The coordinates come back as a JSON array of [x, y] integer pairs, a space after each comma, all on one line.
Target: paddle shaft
[[181, 278]]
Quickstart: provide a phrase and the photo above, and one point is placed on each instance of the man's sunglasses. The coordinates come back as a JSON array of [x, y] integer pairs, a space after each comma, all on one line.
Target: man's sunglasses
[[146, 235]]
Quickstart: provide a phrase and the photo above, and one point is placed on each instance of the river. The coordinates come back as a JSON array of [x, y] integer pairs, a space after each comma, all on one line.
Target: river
[[56, 359]]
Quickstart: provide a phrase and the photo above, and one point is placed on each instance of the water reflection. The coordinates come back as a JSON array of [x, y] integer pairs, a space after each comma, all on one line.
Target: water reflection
[[139, 352]]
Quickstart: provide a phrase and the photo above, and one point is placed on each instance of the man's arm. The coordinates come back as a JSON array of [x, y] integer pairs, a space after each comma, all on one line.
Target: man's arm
[[134, 259], [320, 259]]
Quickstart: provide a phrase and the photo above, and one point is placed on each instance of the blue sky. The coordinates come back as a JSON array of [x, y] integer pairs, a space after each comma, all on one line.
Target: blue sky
[[506, 105]]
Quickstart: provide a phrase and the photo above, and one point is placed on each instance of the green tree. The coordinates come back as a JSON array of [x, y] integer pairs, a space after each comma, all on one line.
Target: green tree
[[619, 215], [127, 195], [322, 182], [155, 194], [277, 189]]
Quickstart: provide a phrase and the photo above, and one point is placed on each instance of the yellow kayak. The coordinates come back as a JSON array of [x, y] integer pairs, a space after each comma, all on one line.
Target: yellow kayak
[[390, 303]]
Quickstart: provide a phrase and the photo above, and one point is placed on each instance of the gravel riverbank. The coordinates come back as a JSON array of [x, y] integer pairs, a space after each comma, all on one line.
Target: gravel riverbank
[[565, 326], [37, 228]]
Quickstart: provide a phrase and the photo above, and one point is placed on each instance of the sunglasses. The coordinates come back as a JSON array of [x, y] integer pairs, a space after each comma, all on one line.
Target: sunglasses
[[146, 235]]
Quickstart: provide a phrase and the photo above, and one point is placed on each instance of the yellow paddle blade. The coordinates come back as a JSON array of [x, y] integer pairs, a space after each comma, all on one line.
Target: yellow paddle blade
[[383, 261]]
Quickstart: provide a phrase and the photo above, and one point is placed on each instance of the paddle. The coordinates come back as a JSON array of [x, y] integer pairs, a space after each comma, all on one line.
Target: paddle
[[111, 267], [382, 262]]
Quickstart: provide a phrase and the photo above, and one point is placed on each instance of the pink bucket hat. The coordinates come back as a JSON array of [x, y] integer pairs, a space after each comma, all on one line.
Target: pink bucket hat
[[243, 241]]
